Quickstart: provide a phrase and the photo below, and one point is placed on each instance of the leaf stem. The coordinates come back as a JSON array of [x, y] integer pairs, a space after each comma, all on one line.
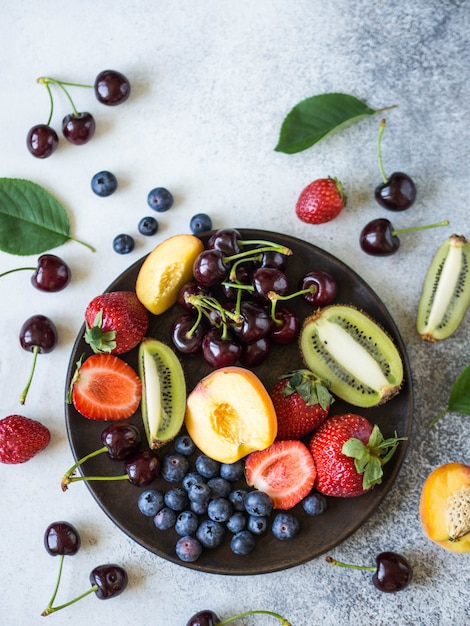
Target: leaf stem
[[83, 243], [438, 417], [28, 384]]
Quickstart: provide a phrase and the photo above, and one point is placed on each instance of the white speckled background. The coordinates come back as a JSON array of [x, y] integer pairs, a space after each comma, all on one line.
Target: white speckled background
[[211, 83]]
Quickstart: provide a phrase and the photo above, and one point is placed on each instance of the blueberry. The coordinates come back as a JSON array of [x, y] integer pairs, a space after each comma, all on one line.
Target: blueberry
[[186, 523], [165, 519], [148, 226], [236, 522], [285, 526], [191, 478], [220, 488], [237, 498], [219, 510], [314, 504], [150, 502], [199, 223], [123, 244], [243, 542], [207, 467], [176, 499], [184, 445], [188, 549], [174, 467], [199, 492], [210, 533], [257, 524], [104, 183], [258, 503], [232, 471], [200, 508], [159, 199]]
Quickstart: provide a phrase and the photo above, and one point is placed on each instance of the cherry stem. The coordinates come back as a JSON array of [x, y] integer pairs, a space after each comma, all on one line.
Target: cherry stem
[[18, 269], [51, 100], [74, 479], [275, 297], [52, 609], [56, 588], [28, 384], [233, 272], [66, 479], [269, 247], [282, 620], [413, 228], [333, 561], [379, 149], [46, 80]]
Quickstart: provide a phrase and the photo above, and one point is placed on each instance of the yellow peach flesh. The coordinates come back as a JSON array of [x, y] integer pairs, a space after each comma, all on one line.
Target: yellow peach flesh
[[230, 414]]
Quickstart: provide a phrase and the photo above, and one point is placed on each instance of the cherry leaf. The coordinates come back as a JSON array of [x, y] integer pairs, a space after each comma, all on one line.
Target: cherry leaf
[[459, 397], [316, 117], [31, 219]]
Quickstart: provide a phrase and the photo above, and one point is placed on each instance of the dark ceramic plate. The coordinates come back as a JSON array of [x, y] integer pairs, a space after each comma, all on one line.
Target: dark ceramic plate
[[317, 534]]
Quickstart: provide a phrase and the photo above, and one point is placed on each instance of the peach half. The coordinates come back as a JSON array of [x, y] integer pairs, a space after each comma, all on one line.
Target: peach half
[[230, 414], [165, 270], [445, 507]]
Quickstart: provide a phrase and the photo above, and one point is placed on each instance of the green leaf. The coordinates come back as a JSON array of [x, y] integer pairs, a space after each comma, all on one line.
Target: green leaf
[[314, 118], [459, 399], [32, 221]]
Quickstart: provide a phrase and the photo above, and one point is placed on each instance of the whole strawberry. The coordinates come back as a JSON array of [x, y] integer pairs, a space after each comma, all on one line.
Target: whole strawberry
[[349, 453], [21, 438], [302, 402], [321, 201], [115, 322]]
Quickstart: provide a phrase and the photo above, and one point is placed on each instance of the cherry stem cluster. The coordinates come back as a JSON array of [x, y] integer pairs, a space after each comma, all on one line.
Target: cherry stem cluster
[[47, 81], [52, 609]]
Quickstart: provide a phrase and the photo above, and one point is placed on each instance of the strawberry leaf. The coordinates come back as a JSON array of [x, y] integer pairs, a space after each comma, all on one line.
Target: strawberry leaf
[[459, 398], [314, 118], [31, 219], [372, 474]]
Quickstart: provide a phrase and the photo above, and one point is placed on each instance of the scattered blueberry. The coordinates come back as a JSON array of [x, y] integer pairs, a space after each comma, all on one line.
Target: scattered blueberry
[[186, 523], [285, 526], [184, 445], [191, 478], [207, 467], [257, 524], [123, 244], [188, 549], [199, 492], [150, 502], [236, 522], [176, 499], [237, 498], [165, 519], [314, 504], [159, 199], [200, 223], [232, 471], [210, 533], [174, 467], [148, 226], [258, 503], [219, 510], [220, 488], [243, 542], [104, 183]]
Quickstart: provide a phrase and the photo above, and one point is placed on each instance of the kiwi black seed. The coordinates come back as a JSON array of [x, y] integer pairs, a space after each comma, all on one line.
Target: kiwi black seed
[[445, 297], [349, 349]]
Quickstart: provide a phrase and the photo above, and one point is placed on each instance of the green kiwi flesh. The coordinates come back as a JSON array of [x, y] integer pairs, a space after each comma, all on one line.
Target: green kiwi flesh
[[445, 296], [163, 402], [347, 348]]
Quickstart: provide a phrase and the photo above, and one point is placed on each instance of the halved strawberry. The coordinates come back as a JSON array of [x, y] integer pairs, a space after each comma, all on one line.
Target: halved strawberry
[[285, 471], [104, 387]]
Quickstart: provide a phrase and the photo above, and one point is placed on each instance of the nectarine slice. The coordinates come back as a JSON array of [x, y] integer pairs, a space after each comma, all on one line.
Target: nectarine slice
[[165, 270], [445, 507], [230, 414]]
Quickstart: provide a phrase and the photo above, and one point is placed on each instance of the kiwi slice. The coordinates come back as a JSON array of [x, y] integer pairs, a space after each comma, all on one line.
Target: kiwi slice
[[163, 401], [349, 349], [445, 296]]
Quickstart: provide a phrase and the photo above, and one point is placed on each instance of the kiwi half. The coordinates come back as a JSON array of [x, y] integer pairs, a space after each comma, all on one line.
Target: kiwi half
[[445, 296], [163, 403], [347, 348]]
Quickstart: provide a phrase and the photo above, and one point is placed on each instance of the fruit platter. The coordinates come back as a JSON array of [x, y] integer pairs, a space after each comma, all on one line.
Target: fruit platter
[[317, 534]]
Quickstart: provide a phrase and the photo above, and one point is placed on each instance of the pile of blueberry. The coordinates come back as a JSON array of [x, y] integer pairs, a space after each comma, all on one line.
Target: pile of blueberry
[[204, 504]]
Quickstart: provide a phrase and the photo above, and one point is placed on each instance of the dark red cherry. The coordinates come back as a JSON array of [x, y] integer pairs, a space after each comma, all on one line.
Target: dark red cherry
[[111, 87], [209, 268], [226, 240], [266, 279], [38, 333], [42, 141], [204, 618], [191, 289], [398, 193], [52, 273], [393, 572], [256, 322], [61, 538], [273, 258], [186, 336], [287, 326], [78, 129], [142, 468], [219, 350], [108, 580], [121, 440], [255, 353], [378, 238], [326, 288]]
